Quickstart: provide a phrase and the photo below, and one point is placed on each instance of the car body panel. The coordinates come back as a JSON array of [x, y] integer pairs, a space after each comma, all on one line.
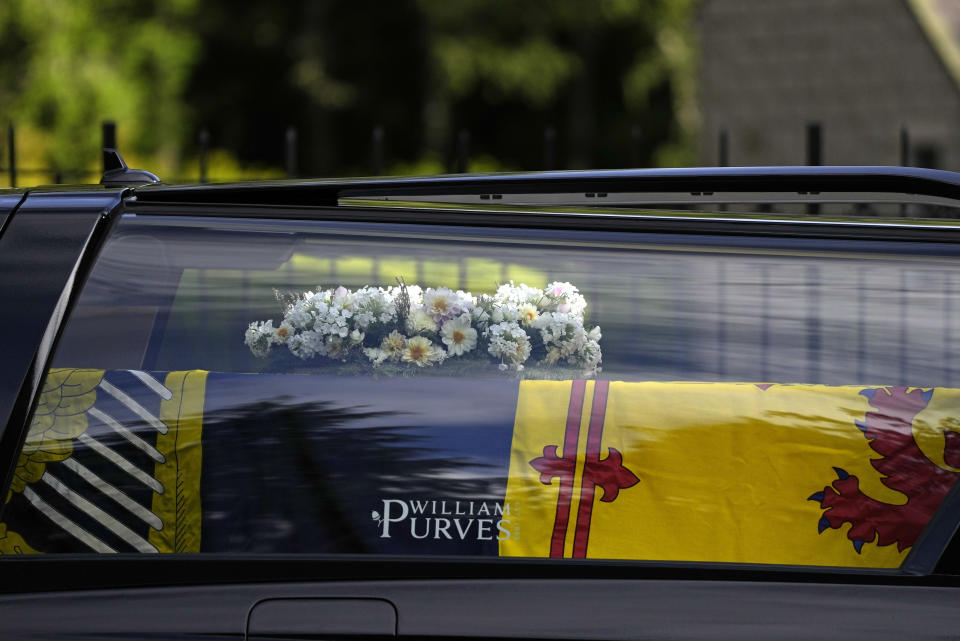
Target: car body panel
[[489, 609], [40, 256]]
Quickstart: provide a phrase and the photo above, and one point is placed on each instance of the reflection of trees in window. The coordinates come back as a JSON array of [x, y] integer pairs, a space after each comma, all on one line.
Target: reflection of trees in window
[[287, 476]]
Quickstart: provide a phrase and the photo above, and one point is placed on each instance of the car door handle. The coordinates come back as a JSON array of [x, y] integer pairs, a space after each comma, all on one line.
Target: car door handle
[[319, 618]]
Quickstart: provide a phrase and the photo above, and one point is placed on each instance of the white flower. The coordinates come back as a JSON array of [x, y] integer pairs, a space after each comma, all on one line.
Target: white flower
[[564, 298], [284, 332], [420, 321], [376, 355], [509, 343], [479, 313], [363, 319], [422, 352], [371, 305], [528, 313], [517, 295], [338, 348], [560, 289], [458, 335], [441, 304], [298, 317], [259, 337], [295, 345], [565, 338], [336, 323], [393, 345], [505, 313], [307, 344], [413, 291]]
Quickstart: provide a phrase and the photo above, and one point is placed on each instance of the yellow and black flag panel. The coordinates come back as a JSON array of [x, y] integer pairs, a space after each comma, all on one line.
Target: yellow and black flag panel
[[111, 463], [190, 461]]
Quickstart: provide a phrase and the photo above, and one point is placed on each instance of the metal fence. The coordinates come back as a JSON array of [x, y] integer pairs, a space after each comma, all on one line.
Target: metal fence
[[378, 138], [61, 175]]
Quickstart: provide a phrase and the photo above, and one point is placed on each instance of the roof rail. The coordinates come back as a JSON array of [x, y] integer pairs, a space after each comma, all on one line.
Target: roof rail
[[705, 184], [117, 174]]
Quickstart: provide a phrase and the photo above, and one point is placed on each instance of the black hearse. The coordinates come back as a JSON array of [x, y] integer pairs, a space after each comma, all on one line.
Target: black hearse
[[641, 404]]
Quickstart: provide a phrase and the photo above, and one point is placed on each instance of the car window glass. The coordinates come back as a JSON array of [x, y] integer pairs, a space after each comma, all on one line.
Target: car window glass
[[270, 386]]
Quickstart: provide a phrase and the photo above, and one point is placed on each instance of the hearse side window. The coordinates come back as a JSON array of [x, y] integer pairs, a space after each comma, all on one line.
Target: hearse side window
[[269, 386]]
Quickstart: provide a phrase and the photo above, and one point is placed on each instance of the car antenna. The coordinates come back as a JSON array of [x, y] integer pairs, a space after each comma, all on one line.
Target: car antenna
[[117, 174]]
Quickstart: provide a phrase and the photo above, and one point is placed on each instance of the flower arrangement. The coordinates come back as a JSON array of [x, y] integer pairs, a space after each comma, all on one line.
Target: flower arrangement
[[405, 327]]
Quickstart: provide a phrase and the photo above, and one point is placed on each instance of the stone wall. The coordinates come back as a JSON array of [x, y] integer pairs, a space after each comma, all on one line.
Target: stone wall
[[861, 68]]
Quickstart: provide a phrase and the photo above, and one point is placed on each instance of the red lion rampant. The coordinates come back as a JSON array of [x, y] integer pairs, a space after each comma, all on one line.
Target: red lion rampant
[[904, 468]]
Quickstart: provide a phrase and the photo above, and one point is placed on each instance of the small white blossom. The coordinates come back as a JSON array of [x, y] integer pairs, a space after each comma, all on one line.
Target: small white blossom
[[420, 321], [565, 338], [528, 313], [509, 343], [564, 298], [376, 355], [259, 337]]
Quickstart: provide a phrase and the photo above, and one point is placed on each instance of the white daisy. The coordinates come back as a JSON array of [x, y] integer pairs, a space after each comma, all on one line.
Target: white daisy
[[422, 352], [442, 304], [393, 344], [458, 335]]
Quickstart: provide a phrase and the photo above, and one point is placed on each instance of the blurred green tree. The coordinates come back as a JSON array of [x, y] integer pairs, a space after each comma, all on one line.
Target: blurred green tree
[[601, 83], [67, 66]]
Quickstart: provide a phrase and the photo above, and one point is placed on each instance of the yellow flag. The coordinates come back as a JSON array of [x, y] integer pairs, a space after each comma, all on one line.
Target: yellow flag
[[728, 472]]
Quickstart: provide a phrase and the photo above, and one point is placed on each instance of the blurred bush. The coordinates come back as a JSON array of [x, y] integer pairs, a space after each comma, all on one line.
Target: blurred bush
[[66, 65]]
